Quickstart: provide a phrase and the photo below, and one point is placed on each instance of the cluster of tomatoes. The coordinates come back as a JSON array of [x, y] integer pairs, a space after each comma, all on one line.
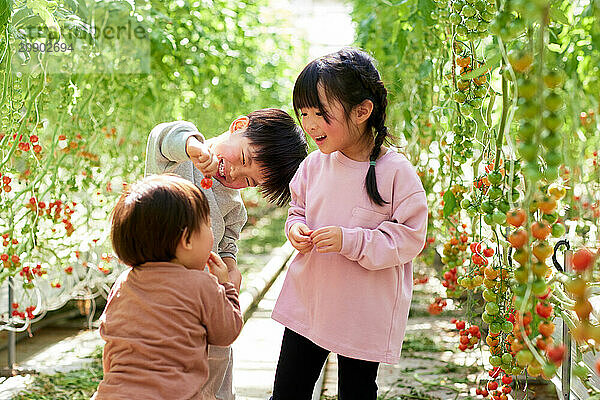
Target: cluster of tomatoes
[[494, 390], [53, 211], [468, 337], [28, 313], [582, 263], [543, 342], [450, 281], [24, 146], [534, 138], [479, 259], [437, 306]]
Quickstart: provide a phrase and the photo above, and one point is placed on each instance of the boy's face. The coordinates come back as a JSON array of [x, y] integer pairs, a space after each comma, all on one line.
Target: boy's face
[[237, 167]]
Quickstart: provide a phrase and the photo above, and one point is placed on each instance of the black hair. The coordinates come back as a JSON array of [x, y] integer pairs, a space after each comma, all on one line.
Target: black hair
[[350, 77], [280, 146], [152, 215]]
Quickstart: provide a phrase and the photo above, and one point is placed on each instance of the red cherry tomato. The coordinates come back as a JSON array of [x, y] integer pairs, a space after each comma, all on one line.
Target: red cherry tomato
[[206, 183]]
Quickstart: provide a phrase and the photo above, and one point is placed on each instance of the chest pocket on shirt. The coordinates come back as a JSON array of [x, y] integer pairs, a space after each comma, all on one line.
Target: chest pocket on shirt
[[362, 217]]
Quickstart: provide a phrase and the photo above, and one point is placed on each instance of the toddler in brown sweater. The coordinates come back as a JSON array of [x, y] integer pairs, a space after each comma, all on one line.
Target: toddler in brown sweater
[[164, 311]]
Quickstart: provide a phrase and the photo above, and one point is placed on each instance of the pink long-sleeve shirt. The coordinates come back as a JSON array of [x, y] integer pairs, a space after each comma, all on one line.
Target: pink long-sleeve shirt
[[355, 302]]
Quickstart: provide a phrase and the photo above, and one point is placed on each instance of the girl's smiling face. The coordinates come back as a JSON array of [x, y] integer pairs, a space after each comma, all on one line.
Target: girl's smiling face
[[237, 167], [335, 135]]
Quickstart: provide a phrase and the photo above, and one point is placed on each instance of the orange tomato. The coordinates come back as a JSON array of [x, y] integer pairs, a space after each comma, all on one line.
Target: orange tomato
[[518, 238], [516, 217], [542, 251], [546, 328], [540, 230], [583, 308], [547, 204]]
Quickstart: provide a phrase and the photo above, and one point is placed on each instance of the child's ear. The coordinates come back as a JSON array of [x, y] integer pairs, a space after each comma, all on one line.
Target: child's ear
[[239, 123], [363, 111], [184, 241]]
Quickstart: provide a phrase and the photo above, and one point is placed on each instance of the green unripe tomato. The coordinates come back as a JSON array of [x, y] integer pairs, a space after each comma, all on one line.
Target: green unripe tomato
[[528, 109], [488, 219], [487, 16], [558, 230], [480, 91], [507, 327], [480, 5], [471, 23], [554, 79], [551, 139], [524, 358], [539, 287], [492, 308], [526, 131], [488, 207], [482, 26], [507, 358], [458, 5], [504, 206], [521, 276], [553, 101], [487, 318], [472, 210], [527, 88], [476, 103], [553, 158], [495, 193], [459, 97], [467, 109], [552, 121], [495, 361], [455, 18], [490, 296], [495, 177], [495, 328], [528, 151], [468, 11], [499, 218]]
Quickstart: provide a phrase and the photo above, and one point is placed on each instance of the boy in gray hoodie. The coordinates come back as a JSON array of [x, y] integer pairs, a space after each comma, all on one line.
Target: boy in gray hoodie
[[261, 149]]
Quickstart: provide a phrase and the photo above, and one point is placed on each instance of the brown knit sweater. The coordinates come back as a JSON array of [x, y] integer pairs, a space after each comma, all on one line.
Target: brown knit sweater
[[157, 324]]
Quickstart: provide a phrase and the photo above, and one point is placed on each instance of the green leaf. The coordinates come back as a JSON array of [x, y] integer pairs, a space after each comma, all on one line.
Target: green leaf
[[449, 203], [556, 14], [489, 64]]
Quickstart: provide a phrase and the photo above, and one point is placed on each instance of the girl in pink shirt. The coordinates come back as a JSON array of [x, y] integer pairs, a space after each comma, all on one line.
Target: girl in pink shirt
[[358, 218]]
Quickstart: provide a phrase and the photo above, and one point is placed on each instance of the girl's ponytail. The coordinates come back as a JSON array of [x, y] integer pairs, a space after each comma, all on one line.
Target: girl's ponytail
[[381, 134]]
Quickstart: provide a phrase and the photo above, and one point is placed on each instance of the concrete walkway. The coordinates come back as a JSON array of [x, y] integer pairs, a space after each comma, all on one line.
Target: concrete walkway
[[256, 351]]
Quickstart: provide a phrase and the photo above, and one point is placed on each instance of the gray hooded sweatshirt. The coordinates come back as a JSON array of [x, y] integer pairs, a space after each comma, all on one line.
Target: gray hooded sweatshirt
[[165, 152]]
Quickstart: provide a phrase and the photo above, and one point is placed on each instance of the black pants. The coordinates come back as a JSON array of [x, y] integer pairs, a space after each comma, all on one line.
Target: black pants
[[299, 366]]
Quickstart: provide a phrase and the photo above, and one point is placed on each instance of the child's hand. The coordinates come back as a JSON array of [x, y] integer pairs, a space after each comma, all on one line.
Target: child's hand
[[300, 237], [217, 267], [202, 157], [327, 239]]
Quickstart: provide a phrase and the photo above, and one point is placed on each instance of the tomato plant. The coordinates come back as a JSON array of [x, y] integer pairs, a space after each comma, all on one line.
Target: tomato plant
[[482, 95], [73, 126]]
